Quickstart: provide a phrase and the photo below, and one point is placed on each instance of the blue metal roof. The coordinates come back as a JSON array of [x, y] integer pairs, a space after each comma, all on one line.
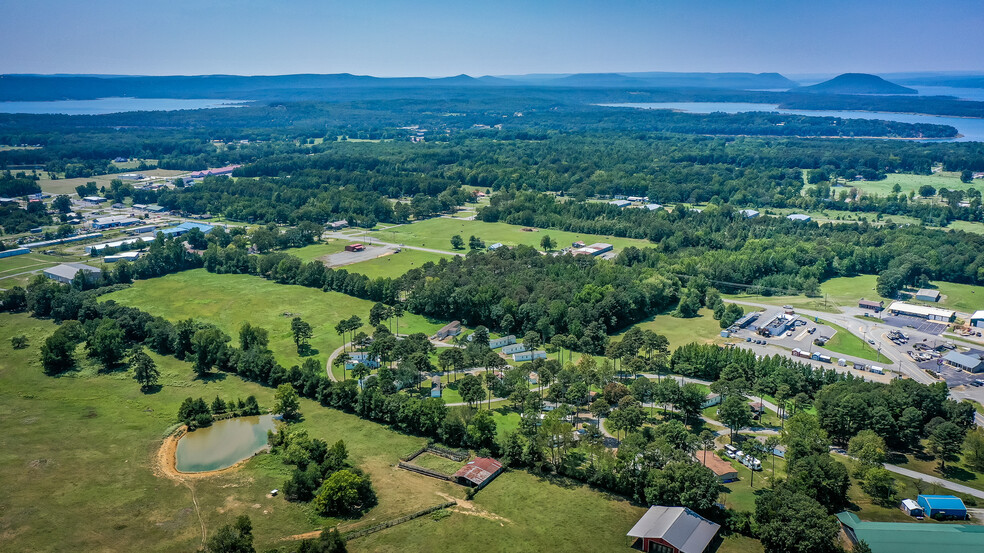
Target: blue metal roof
[[943, 502]]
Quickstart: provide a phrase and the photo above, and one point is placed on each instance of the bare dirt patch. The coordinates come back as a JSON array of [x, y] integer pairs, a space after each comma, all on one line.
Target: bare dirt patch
[[165, 461], [466, 507]]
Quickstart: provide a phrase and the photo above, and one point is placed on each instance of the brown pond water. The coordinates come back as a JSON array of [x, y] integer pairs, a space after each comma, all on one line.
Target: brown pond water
[[223, 444]]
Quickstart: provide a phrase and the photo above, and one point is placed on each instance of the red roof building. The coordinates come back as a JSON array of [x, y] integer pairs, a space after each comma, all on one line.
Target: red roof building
[[478, 472]]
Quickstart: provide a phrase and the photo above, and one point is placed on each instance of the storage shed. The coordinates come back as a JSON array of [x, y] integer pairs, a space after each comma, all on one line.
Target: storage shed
[[947, 505], [478, 472], [925, 294]]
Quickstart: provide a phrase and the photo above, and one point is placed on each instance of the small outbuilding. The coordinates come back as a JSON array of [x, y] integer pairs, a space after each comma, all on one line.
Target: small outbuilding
[[977, 319], [673, 530], [911, 508], [876, 306], [946, 505], [478, 472], [925, 294], [799, 217], [724, 470], [451, 329]]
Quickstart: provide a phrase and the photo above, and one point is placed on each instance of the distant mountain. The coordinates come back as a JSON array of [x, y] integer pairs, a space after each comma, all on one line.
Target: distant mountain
[[659, 79], [857, 83]]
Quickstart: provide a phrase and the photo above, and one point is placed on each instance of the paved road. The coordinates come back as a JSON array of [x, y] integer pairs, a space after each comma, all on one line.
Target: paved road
[[935, 480], [872, 328]]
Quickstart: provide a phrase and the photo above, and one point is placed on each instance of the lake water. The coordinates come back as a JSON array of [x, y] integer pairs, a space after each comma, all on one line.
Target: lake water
[[102, 106], [971, 129], [223, 444]]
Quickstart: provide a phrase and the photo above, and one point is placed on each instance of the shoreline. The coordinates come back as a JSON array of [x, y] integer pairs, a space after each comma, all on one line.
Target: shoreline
[[166, 459]]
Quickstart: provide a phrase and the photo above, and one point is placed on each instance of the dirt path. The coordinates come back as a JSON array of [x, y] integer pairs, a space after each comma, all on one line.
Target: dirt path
[[466, 507]]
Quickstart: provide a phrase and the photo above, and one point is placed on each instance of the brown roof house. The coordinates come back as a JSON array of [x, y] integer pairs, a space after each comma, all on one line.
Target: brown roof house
[[724, 470]]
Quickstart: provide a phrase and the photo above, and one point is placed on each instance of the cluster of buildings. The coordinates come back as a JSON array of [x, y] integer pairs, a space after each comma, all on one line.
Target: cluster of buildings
[[907, 537], [227, 170], [114, 221]]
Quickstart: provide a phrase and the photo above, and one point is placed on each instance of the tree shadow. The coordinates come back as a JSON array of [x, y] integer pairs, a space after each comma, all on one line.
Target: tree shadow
[[307, 351], [896, 458], [211, 377], [152, 389], [958, 473]]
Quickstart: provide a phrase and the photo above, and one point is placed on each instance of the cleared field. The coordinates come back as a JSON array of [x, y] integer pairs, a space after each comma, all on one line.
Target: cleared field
[[436, 234], [438, 463], [909, 183], [394, 265], [229, 300], [703, 329], [315, 251], [67, 186], [77, 461], [519, 512], [20, 269]]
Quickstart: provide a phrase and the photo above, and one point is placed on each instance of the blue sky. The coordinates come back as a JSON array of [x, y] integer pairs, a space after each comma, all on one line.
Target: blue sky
[[435, 38]]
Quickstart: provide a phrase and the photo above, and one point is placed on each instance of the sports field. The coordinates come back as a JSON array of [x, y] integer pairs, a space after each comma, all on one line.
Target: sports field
[[436, 233], [229, 300]]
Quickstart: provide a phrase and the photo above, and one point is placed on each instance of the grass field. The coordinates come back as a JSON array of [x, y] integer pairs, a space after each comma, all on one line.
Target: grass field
[[76, 461], [394, 265], [67, 186], [20, 269], [849, 344], [229, 300], [909, 183], [77, 458], [438, 463], [956, 471], [703, 329], [436, 234]]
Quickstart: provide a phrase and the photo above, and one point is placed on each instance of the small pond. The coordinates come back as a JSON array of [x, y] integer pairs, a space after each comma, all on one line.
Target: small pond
[[223, 444]]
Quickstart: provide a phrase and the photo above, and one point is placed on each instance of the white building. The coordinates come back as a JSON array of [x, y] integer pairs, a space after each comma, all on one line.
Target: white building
[[921, 311], [65, 272]]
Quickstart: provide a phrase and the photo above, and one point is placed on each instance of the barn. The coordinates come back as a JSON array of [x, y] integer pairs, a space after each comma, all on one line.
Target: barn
[[673, 530]]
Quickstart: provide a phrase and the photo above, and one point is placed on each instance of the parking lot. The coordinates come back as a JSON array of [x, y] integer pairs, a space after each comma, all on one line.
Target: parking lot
[[348, 258], [953, 377], [915, 323]]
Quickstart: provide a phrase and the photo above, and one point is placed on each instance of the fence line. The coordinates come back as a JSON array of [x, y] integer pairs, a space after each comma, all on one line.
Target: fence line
[[424, 471], [390, 523]]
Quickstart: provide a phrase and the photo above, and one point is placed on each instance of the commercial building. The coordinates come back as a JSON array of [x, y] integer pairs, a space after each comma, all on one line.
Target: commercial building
[[947, 505], [724, 470], [94, 200], [778, 325], [673, 530], [747, 319], [876, 306], [529, 356], [478, 472], [227, 170], [970, 362], [620, 203], [76, 238], [799, 217], [912, 537], [122, 256], [184, 228], [14, 251], [338, 225], [923, 312], [977, 319], [749, 213], [65, 272], [117, 244], [925, 294], [597, 248], [354, 248], [451, 329], [653, 207]]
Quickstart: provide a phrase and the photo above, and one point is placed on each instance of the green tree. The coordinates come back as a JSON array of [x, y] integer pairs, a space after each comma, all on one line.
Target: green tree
[[687, 484], [966, 176], [945, 442], [144, 370], [344, 492], [822, 478], [18, 342], [735, 414], [927, 191], [974, 446], [690, 400], [803, 437], [253, 337], [209, 349], [330, 541], [62, 204], [232, 538], [547, 243], [107, 343], [57, 353], [790, 522], [475, 243], [457, 243], [302, 333], [600, 409], [286, 402], [470, 389], [869, 449], [880, 485]]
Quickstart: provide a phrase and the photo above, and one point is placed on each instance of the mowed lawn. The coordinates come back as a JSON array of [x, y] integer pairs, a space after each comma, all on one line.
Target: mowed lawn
[[436, 234], [911, 183], [77, 460], [19, 269], [227, 301], [395, 264], [703, 329], [67, 186]]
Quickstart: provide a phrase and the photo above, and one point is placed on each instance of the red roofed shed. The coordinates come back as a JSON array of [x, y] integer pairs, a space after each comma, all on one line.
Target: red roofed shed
[[478, 472]]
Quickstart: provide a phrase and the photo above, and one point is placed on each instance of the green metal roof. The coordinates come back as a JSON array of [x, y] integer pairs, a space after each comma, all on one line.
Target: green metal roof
[[915, 537]]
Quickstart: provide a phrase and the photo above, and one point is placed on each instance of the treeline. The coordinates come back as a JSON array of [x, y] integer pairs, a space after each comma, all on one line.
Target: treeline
[[771, 253], [14, 219], [900, 412]]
